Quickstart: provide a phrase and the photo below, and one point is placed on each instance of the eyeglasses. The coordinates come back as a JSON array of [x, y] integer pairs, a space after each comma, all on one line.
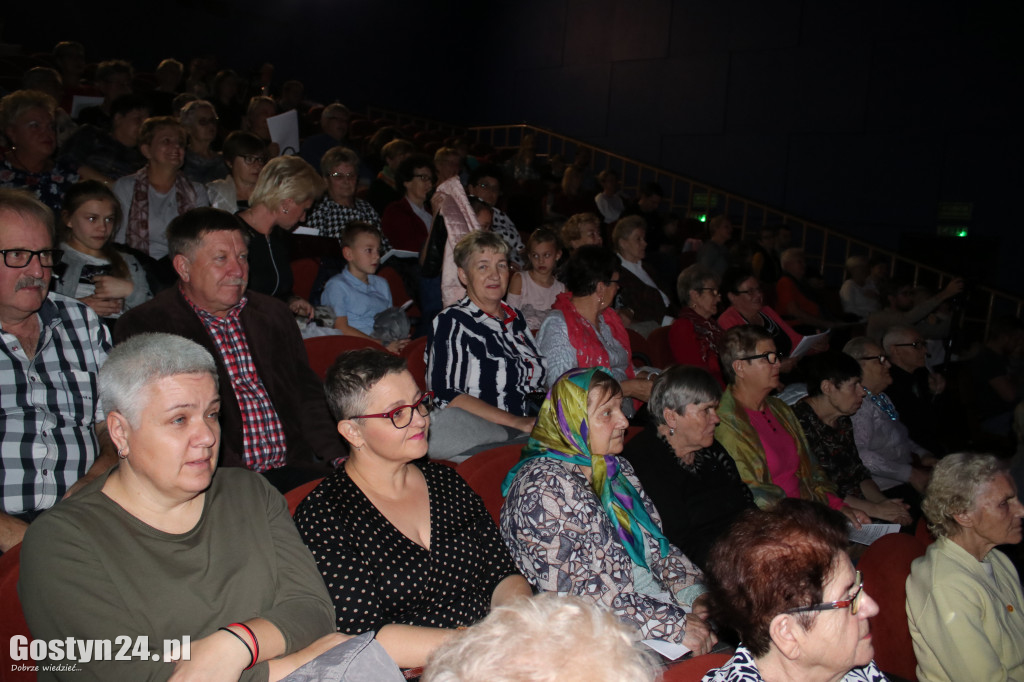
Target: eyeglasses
[[751, 291], [771, 356], [20, 258], [425, 177], [401, 416], [713, 290], [916, 345], [881, 358], [345, 176], [253, 159], [853, 602]]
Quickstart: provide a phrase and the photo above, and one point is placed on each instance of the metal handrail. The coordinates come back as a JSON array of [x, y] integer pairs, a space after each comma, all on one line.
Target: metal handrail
[[827, 247]]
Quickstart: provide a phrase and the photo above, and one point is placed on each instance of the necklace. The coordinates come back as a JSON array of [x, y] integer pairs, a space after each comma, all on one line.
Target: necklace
[[883, 403]]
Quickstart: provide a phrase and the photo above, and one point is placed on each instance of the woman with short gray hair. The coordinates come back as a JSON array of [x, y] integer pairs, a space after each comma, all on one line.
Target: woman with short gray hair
[[688, 474], [964, 596], [694, 337]]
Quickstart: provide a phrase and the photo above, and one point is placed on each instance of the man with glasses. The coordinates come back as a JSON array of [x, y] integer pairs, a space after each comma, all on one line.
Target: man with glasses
[[915, 392], [53, 438], [274, 417]]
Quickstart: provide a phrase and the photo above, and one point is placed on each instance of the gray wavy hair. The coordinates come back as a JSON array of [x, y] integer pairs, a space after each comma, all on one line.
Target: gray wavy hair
[[956, 482], [679, 386]]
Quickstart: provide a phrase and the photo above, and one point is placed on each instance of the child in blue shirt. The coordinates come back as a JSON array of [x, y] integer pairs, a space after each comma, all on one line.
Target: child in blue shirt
[[357, 295]]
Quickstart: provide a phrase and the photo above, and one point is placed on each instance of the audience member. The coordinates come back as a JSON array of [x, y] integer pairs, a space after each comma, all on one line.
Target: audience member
[[534, 290], [245, 155], [690, 477], [286, 189], [915, 392], [112, 79], [539, 639], [448, 163], [747, 306], [45, 79], [483, 358], [858, 298], [340, 170], [224, 95], [571, 198], [406, 222], [794, 295], [647, 206], [781, 578], [158, 193], [694, 336], [385, 188], [216, 557], [765, 262], [259, 110], [485, 183], [26, 120], [108, 155], [584, 331], [168, 75], [405, 547], [761, 433], [899, 466], [69, 58], [333, 133], [995, 390], [713, 253], [964, 595], [834, 393], [581, 229], [202, 163], [92, 269], [901, 310], [273, 413], [523, 166], [578, 522], [640, 299], [51, 425], [609, 202], [357, 294]]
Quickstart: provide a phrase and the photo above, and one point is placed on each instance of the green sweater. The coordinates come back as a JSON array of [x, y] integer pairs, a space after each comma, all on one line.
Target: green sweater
[[91, 570]]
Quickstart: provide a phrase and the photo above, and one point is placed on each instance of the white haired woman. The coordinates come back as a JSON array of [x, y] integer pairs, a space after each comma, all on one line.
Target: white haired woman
[[964, 600], [160, 547], [539, 639], [202, 163], [286, 189]]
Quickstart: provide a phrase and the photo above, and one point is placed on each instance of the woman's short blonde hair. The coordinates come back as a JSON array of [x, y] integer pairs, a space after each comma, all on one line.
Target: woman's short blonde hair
[[475, 242], [286, 177], [573, 228], [336, 156], [12, 106], [154, 123], [539, 639], [956, 482]]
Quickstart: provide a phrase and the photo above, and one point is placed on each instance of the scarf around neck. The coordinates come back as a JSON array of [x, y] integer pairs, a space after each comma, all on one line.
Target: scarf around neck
[[562, 433], [709, 334], [137, 234], [590, 352]]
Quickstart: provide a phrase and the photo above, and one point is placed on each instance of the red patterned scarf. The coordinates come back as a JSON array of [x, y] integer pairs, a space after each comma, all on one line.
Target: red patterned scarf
[[137, 234], [590, 352]]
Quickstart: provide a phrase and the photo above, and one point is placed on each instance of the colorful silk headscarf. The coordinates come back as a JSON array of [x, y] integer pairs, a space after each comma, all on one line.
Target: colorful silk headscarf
[[562, 433]]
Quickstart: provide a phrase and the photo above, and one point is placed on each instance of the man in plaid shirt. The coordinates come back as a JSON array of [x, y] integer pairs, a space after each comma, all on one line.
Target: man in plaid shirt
[[51, 349], [274, 416]]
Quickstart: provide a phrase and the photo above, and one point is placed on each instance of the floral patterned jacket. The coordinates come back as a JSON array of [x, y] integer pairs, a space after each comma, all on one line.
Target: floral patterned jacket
[[562, 541]]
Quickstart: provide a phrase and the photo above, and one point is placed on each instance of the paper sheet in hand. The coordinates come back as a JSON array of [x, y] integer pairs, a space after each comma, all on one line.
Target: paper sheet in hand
[[667, 649], [806, 344], [284, 130], [398, 253], [870, 532]]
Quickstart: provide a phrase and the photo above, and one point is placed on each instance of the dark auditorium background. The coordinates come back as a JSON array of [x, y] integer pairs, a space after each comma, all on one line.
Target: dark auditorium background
[[863, 115]]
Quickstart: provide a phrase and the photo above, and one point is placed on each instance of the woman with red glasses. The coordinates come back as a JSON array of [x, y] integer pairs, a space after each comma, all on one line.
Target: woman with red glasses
[[405, 547]]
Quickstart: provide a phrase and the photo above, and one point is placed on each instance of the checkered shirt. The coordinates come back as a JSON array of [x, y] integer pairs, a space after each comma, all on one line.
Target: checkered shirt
[[331, 218], [49, 405], [262, 433]]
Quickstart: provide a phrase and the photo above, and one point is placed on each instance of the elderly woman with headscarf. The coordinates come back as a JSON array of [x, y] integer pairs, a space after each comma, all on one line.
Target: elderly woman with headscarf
[[964, 600], [688, 474], [695, 337], [761, 433], [578, 522], [165, 545], [782, 580]]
